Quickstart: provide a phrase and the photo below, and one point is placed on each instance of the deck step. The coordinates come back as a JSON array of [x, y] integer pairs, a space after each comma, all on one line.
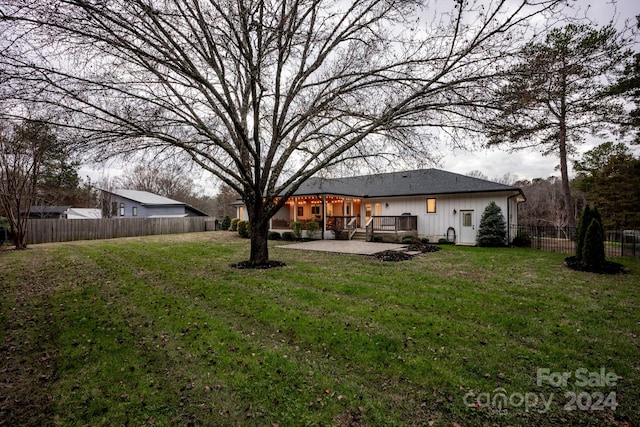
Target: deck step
[[360, 235]]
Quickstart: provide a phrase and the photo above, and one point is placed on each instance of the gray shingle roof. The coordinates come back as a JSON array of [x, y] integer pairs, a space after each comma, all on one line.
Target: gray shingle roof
[[409, 183], [146, 198]]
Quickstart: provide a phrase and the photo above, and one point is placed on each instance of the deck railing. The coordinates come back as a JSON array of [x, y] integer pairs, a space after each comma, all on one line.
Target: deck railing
[[390, 224], [343, 226], [395, 223]]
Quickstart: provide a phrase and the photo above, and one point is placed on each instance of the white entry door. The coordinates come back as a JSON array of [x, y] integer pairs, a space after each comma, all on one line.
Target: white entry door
[[467, 228]]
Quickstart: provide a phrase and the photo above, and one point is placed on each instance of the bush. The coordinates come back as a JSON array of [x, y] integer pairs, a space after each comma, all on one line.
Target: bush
[[287, 236], [226, 223], [522, 240], [297, 229], [408, 239], [424, 240], [583, 223], [244, 229], [593, 251], [443, 241], [312, 229], [493, 228], [274, 235], [5, 230], [377, 239], [234, 224]]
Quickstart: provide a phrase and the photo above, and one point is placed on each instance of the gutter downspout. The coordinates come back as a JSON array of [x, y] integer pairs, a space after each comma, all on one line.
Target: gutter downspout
[[519, 193]]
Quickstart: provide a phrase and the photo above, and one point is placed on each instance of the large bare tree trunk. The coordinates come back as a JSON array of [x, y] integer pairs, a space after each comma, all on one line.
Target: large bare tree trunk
[[259, 232]]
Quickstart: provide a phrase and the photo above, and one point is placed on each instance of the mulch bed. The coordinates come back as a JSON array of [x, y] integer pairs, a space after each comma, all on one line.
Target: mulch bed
[[423, 247], [396, 256], [391, 256], [609, 267], [246, 265]]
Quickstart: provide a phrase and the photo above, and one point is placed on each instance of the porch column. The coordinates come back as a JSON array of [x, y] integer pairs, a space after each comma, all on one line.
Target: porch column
[[295, 209], [324, 215]]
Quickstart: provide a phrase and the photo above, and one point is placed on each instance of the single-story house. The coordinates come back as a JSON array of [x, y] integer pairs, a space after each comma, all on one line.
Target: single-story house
[[47, 212], [143, 204], [429, 203]]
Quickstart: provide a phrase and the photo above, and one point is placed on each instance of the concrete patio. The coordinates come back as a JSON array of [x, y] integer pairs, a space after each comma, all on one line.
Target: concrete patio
[[345, 246]]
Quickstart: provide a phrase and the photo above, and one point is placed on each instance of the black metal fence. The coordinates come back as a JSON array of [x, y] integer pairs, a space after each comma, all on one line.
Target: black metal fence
[[618, 243]]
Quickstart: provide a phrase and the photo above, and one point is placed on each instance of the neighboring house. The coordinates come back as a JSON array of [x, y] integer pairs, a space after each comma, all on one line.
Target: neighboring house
[[427, 203], [63, 212], [47, 212], [142, 204], [83, 213]]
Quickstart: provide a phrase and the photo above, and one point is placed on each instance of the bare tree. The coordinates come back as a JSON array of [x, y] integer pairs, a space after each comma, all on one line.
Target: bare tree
[[166, 179], [477, 174], [223, 200], [261, 93], [105, 187], [24, 148], [545, 204]]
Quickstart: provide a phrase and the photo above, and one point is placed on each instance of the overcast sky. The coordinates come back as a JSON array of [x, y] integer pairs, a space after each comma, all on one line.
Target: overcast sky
[[531, 164], [495, 163]]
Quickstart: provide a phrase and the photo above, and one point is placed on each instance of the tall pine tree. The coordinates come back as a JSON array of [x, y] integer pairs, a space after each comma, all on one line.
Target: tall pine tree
[[553, 97]]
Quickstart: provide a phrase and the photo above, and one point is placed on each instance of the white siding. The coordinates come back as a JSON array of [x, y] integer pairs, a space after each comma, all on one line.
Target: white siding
[[435, 225]]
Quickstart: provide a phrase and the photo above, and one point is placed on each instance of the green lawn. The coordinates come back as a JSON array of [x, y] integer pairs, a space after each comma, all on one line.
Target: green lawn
[[161, 330]]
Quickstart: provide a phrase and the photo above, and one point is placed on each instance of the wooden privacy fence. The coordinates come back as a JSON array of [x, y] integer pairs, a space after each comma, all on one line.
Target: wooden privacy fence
[[67, 230]]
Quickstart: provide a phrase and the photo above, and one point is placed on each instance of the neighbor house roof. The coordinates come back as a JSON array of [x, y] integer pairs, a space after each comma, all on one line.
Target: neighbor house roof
[[48, 209], [83, 213], [409, 183], [146, 198]]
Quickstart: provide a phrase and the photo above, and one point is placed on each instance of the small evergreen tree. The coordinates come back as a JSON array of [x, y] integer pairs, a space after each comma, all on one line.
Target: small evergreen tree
[[493, 228], [581, 230], [585, 220], [593, 251], [226, 223]]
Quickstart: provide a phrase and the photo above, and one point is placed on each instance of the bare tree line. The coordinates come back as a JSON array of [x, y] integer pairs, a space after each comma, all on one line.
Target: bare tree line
[[261, 94]]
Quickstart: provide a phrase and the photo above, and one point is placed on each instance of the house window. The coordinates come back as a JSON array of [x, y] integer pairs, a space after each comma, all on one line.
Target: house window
[[300, 210], [134, 211], [467, 219], [121, 209], [315, 210], [431, 205]]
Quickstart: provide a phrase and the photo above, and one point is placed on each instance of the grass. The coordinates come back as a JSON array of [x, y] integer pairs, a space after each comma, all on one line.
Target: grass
[[160, 330]]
